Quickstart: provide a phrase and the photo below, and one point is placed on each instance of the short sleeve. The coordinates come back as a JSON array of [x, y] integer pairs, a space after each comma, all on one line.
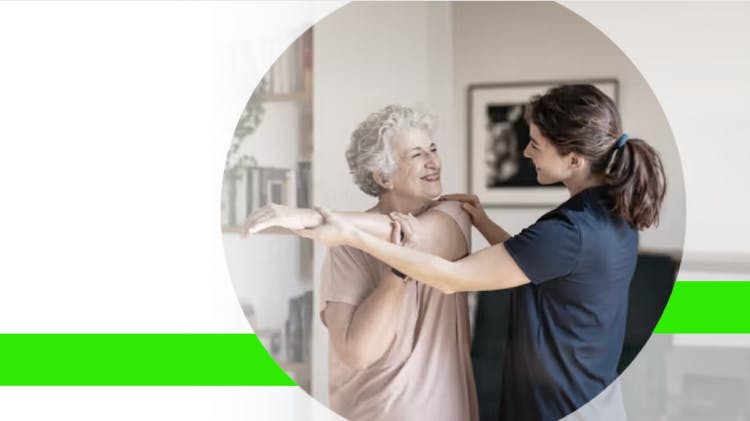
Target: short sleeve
[[346, 277], [460, 217], [546, 250]]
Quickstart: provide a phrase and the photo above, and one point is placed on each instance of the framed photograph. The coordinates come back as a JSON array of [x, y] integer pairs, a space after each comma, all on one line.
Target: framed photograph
[[498, 133]]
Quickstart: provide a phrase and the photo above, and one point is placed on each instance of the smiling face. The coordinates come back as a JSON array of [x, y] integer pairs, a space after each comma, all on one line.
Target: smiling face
[[417, 172], [551, 167]]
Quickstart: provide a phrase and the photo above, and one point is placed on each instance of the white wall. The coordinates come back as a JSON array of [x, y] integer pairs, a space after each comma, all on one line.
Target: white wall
[[368, 55], [266, 272], [509, 42]]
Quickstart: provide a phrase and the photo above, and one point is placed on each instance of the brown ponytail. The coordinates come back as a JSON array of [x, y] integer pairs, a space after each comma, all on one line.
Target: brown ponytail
[[637, 183], [583, 120]]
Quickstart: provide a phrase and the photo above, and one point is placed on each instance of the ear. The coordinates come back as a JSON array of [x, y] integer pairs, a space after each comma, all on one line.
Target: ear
[[382, 181], [576, 161]]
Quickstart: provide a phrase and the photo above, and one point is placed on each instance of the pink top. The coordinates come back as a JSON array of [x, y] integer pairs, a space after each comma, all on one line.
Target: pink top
[[426, 373]]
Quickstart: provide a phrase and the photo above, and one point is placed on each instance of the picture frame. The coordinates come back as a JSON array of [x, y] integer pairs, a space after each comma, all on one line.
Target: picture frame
[[499, 174]]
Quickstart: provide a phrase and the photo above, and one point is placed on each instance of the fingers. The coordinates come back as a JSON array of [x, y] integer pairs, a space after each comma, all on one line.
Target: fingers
[[261, 219], [305, 233], [406, 223], [324, 212], [452, 196], [462, 197], [249, 226], [257, 221], [469, 208], [476, 214], [395, 232]]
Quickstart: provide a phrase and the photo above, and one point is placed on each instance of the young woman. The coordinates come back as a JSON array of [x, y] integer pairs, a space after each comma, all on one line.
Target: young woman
[[570, 270]]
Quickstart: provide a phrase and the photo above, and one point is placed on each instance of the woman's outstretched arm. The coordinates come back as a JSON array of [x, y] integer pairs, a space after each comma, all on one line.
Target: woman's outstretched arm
[[439, 233], [288, 218], [491, 268]]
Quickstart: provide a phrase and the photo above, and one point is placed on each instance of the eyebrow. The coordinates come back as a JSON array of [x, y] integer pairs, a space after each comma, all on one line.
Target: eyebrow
[[432, 145]]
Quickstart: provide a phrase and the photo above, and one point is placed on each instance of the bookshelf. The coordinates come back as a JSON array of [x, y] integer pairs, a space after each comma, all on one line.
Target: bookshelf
[[251, 179], [270, 160]]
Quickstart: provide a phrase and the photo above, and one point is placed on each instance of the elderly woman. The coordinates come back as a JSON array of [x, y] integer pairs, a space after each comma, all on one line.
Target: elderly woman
[[400, 350]]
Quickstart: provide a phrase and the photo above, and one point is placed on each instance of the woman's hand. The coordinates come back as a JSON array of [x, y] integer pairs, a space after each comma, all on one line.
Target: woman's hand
[[471, 204], [334, 230], [273, 215], [407, 230]]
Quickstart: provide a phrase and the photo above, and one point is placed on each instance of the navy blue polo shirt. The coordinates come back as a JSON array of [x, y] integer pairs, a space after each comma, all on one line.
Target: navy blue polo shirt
[[568, 324]]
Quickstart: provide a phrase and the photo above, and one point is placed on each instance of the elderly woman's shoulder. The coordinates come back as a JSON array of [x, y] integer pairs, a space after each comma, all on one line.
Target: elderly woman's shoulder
[[451, 207]]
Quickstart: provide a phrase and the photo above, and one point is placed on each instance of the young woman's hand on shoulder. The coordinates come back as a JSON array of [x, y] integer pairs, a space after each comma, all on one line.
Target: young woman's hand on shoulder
[[471, 204]]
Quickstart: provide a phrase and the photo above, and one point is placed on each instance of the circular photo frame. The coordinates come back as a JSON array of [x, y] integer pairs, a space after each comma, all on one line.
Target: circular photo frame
[[382, 107]]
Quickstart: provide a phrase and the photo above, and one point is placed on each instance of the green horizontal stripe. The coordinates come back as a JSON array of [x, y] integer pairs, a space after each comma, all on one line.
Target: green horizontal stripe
[[137, 360], [241, 360], [707, 307]]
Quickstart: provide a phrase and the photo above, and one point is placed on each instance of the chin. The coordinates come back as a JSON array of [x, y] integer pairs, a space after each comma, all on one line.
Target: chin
[[542, 180], [431, 190]]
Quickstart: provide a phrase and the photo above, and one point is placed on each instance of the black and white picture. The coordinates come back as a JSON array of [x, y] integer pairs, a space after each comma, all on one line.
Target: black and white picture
[[498, 133], [508, 136]]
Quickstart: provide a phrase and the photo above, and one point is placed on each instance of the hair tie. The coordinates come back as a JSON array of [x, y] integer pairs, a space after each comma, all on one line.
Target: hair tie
[[622, 140]]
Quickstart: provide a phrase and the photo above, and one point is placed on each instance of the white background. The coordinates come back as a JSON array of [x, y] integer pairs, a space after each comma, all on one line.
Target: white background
[[114, 123]]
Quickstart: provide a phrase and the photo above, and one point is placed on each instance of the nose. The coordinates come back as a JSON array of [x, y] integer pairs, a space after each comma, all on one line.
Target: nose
[[433, 160], [526, 150]]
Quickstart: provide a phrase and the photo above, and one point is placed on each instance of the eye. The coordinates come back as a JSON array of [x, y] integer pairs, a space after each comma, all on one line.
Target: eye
[[416, 155]]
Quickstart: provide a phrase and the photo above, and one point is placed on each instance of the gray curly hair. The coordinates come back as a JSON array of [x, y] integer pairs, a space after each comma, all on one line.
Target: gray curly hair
[[371, 148]]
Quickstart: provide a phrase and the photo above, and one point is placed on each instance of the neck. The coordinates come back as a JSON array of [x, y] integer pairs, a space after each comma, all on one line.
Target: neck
[[576, 185], [393, 202]]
